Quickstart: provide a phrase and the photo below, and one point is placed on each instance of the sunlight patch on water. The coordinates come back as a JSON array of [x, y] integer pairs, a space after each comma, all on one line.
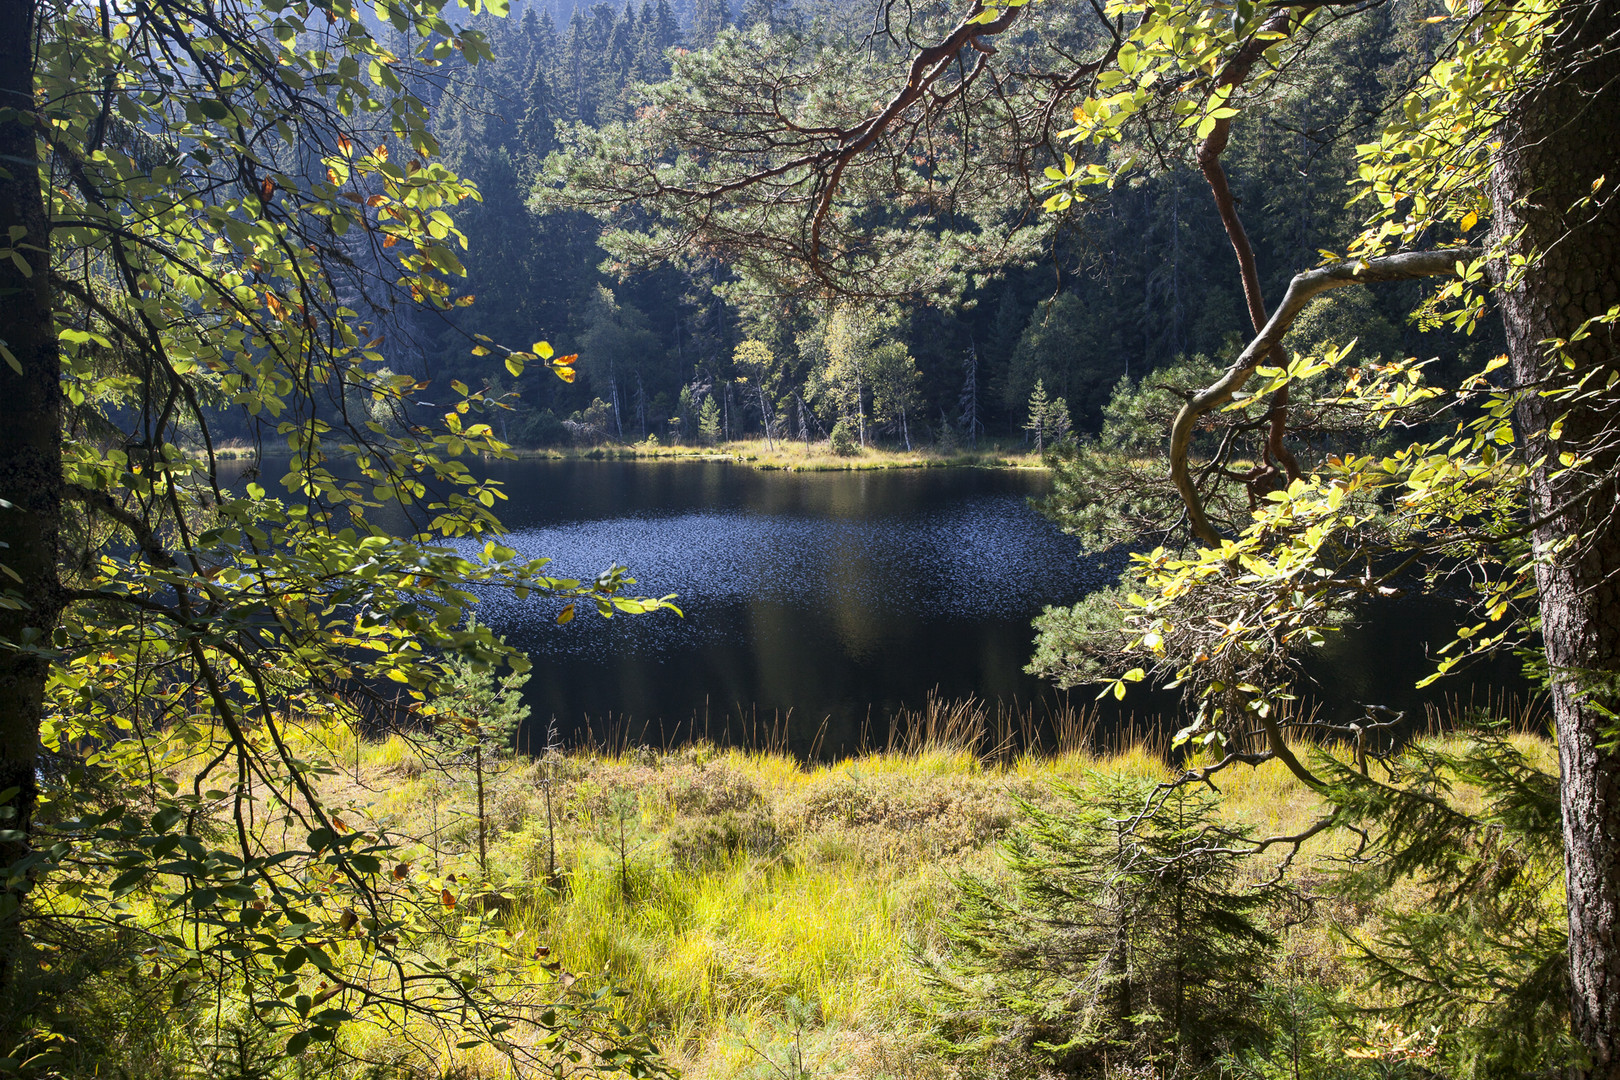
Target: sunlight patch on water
[[988, 557]]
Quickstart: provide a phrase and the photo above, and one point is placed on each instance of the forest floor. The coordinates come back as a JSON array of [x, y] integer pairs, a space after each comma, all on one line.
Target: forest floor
[[770, 917]]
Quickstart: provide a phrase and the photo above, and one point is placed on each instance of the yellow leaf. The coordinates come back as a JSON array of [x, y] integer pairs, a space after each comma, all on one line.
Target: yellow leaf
[[542, 350], [566, 615], [1469, 220]]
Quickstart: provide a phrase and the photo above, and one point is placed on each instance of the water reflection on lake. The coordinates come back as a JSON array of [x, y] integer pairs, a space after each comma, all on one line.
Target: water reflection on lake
[[842, 596]]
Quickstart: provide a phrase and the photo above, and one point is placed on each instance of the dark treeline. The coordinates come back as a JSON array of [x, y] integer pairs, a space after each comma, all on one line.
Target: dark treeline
[[1125, 285]]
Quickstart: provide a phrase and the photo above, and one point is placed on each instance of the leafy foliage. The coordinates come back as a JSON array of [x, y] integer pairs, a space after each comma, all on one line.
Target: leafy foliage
[[237, 213]]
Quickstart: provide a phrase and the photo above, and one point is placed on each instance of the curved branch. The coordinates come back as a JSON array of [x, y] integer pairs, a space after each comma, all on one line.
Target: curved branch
[[1233, 74], [1306, 286], [926, 68]]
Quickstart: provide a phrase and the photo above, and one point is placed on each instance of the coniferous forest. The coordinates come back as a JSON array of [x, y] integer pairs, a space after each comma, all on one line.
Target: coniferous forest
[[1112, 293]]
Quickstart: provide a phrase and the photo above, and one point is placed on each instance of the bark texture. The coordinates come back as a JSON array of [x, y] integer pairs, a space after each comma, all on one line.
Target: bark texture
[[30, 452], [1562, 137]]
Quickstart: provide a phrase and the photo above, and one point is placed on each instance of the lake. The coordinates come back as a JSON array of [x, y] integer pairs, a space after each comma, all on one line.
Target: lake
[[832, 600]]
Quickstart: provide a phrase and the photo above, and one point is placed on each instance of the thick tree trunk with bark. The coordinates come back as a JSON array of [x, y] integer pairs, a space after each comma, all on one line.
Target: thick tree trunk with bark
[[30, 448], [1562, 138]]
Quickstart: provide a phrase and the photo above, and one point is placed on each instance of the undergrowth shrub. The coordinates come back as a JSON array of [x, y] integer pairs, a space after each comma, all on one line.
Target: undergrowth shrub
[[902, 816], [715, 790], [705, 842], [843, 440], [1122, 937]]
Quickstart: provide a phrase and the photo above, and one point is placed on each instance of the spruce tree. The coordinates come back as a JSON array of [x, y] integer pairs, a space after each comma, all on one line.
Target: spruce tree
[[1481, 953], [1040, 406], [709, 420], [1125, 936], [659, 32], [968, 401], [709, 17]]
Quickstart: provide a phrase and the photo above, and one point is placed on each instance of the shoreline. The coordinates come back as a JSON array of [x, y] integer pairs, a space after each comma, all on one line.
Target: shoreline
[[784, 457]]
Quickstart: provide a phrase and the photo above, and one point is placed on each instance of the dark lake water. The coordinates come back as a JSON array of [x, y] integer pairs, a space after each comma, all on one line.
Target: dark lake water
[[834, 600], [837, 597]]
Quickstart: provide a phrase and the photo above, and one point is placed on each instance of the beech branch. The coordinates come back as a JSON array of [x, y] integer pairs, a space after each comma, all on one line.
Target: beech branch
[[1233, 74], [1306, 286]]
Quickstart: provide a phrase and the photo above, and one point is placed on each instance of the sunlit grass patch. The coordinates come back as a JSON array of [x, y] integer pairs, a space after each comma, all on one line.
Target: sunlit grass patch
[[795, 456], [756, 909]]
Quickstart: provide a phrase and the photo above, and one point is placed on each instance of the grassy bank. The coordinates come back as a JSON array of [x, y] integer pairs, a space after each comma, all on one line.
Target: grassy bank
[[766, 917], [799, 457], [780, 455]]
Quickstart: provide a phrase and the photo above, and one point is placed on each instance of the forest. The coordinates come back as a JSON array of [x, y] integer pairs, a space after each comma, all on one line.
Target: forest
[[1113, 292], [1305, 307]]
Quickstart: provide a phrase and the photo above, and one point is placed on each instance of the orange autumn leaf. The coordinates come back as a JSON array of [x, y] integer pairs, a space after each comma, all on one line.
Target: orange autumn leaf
[[446, 899]]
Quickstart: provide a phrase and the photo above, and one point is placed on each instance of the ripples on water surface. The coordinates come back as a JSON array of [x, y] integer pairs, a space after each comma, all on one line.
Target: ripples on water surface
[[982, 559], [835, 596]]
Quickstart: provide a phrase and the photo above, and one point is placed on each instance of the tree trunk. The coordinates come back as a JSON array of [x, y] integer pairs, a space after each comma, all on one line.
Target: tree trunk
[[1552, 151], [765, 415], [30, 451], [483, 844]]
